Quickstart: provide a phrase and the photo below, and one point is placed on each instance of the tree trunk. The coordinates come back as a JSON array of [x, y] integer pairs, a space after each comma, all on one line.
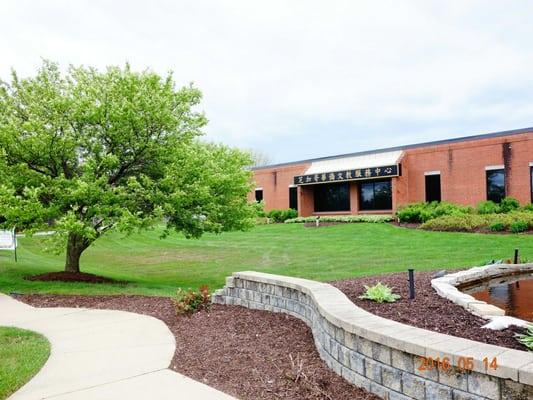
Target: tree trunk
[[75, 246]]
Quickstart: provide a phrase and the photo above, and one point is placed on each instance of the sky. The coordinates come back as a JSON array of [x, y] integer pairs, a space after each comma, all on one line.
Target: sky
[[302, 79]]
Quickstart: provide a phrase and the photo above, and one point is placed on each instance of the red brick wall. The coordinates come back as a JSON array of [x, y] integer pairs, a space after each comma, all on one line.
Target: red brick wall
[[461, 165], [275, 183]]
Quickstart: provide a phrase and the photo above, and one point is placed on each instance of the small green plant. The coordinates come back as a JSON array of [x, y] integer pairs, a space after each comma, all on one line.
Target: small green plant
[[280, 216], [509, 204], [379, 293], [497, 227], [488, 207], [519, 226], [190, 301], [526, 338], [528, 207]]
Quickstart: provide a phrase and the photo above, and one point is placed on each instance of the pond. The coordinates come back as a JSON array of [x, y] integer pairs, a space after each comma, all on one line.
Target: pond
[[513, 293]]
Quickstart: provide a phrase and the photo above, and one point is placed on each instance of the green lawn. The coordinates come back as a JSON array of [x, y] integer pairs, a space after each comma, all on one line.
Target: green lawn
[[22, 354], [157, 267]]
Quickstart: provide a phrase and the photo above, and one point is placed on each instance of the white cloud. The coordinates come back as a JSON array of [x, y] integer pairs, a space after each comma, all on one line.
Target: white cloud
[[278, 71]]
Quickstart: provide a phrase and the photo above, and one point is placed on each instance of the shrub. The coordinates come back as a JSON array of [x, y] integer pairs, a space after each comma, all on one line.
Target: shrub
[[528, 207], [279, 216], [509, 204], [343, 218], [460, 223], [259, 209], [497, 227], [379, 293], [472, 222], [519, 226], [527, 338], [189, 301], [488, 207], [422, 212]]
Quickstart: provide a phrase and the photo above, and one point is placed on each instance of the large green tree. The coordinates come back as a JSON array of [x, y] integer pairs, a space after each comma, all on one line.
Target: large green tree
[[91, 151]]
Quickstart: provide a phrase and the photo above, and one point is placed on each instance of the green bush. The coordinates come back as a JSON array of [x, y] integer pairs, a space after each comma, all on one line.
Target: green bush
[[497, 227], [343, 218], [379, 293], [189, 301], [528, 207], [488, 207], [519, 226], [280, 216], [422, 212], [509, 204], [473, 222]]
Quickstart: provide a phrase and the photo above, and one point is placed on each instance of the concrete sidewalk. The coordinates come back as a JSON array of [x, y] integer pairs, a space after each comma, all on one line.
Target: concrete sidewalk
[[102, 354]]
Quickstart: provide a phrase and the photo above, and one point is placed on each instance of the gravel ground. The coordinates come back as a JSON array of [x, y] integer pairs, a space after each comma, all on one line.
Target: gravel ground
[[249, 354], [427, 310]]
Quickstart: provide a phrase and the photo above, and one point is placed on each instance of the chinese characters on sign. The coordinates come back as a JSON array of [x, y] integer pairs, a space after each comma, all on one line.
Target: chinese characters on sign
[[349, 175]]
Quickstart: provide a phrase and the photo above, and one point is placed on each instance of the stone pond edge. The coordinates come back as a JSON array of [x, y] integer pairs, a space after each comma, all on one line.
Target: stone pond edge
[[447, 287]]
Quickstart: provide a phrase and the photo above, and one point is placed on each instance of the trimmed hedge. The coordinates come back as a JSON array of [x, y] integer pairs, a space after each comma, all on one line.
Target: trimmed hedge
[[516, 221], [344, 218], [422, 212], [280, 216]]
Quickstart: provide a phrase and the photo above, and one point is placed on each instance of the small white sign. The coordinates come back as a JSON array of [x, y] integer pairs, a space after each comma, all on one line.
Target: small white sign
[[8, 240]]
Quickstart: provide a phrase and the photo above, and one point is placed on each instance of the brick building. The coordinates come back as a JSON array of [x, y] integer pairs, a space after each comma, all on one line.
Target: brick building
[[463, 170]]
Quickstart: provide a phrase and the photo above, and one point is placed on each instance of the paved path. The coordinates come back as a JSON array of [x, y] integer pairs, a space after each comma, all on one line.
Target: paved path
[[102, 354]]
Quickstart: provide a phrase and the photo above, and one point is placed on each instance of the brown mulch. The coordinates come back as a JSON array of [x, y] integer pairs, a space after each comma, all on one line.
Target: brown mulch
[[427, 310], [64, 276], [246, 353]]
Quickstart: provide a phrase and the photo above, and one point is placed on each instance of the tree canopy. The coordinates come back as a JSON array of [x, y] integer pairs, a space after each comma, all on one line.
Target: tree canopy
[[91, 151]]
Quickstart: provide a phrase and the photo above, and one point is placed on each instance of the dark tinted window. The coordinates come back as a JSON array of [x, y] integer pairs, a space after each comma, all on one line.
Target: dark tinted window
[[293, 198], [332, 197], [432, 188], [376, 195], [496, 185], [259, 195]]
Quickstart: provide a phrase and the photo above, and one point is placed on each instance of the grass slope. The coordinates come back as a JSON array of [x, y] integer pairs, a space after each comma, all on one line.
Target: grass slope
[[157, 267], [22, 354]]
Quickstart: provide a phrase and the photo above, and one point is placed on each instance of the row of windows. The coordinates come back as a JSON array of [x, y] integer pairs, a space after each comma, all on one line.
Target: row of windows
[[373, 195], [377, 195]]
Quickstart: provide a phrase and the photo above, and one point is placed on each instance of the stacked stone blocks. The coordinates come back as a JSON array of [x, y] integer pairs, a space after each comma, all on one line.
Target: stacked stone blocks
[[353, 348]]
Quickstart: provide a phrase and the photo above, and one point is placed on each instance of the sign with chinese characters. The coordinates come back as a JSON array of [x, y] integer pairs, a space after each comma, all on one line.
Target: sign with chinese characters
[[349, 175]]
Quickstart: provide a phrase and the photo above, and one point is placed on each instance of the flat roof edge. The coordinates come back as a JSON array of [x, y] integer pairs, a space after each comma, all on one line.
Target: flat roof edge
[[404, 147]]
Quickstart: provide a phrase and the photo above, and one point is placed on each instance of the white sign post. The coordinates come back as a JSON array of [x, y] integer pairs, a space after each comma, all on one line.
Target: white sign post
[[8, 241]]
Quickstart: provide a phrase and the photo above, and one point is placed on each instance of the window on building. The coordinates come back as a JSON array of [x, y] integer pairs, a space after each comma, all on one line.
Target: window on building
[[433, 188], [496, 185], [258, 195], [531, 179], [375, 195], [293, 198], [332, 197]]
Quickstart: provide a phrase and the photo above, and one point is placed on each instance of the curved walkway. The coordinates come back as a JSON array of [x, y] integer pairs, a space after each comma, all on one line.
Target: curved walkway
[[102, 354]]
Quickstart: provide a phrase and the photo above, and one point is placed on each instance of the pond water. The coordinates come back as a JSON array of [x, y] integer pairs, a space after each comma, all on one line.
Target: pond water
[[513, 293]]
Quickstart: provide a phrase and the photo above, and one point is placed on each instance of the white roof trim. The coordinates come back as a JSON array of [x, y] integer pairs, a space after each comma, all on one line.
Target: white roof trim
[[432, 173], [493, 167], [356, 162]]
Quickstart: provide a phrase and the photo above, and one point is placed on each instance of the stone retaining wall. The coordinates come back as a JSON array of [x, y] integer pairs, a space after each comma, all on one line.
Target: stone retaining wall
[[381, 355]]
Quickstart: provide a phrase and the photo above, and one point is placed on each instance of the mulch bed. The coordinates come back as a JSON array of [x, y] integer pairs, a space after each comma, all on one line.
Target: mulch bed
[[249, 354], [427, 310], [63, 276]]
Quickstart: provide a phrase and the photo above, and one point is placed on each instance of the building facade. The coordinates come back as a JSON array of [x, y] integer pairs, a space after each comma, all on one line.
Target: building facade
[[463, 170]]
